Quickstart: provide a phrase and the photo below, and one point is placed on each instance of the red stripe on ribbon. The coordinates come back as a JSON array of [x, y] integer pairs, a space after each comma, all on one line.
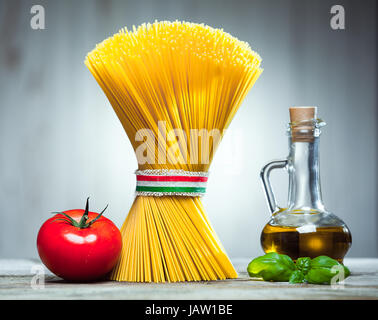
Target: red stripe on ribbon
[[172, 178]]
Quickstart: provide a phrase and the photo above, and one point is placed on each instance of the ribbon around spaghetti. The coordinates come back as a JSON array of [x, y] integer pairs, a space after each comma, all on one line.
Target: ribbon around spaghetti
[[166, 182]]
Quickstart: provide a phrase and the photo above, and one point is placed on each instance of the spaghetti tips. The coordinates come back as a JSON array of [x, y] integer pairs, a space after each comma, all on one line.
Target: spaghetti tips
[[175, 88]]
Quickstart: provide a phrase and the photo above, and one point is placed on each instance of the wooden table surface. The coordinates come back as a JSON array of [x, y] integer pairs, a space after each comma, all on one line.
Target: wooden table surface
[[16, 278]]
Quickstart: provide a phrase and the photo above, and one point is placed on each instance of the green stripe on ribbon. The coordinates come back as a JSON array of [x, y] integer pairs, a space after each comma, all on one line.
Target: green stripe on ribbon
[[171, 189]]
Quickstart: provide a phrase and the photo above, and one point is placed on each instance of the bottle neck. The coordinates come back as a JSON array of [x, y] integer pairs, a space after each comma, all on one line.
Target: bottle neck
[[304, 178]]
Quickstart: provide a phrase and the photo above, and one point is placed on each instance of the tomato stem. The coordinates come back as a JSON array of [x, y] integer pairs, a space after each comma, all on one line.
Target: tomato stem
[[82, 224], [84, 218]]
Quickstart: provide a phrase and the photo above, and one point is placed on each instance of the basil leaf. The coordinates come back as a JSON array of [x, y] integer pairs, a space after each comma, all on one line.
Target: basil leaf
[[303, 264], [297, 277], [322, 270], [272, 267]]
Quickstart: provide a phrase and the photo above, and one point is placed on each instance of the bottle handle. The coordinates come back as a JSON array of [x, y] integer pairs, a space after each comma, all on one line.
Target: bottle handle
[[264, 175]]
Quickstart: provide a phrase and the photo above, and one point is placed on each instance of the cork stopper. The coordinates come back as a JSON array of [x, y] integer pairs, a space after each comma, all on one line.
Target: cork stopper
[[302, 113], [301, 119]]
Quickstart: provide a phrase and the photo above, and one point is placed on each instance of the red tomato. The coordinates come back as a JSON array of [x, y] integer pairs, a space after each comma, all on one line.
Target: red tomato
[[78, 247]]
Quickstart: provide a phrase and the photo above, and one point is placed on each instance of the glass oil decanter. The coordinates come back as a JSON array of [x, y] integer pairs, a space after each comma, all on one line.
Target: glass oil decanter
[[305, 228]]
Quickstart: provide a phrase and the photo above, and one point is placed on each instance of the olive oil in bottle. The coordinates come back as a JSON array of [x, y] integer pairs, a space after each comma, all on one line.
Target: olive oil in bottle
[[330, 241]]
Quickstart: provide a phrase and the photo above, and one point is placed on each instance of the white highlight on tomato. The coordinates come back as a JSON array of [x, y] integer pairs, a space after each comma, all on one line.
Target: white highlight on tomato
[[79, 239]]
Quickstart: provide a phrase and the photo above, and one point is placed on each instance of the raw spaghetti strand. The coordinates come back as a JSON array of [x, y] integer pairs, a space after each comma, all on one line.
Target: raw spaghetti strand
[[161, 77]]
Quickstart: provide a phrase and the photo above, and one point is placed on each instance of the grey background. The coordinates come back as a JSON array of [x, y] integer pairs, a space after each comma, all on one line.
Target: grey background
[[60, 141]]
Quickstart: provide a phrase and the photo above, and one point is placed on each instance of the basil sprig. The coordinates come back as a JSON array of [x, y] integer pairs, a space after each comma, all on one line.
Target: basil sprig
[[279, 267]]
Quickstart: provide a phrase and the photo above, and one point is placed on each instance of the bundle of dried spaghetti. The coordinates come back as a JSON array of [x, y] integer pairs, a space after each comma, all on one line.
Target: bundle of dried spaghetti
[[175, 87]]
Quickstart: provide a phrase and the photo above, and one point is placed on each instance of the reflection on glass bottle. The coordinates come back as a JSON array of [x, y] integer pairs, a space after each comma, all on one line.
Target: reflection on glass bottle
[[305, 228]]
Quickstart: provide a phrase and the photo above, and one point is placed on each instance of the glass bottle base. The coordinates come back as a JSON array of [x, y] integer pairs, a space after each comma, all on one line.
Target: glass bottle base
[[333, 242]]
